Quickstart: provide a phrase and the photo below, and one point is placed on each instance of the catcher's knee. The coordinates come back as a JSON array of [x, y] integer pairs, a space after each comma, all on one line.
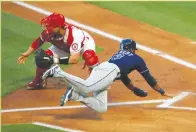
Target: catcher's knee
[[49, 52]]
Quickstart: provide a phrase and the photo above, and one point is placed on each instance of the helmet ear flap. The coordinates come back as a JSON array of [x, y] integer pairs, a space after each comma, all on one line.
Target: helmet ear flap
[[121, 46], [90, 58], [88, 54], [43, 23]]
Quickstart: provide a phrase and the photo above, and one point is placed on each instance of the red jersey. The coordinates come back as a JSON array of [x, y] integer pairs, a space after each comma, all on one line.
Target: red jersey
[[70, 42]]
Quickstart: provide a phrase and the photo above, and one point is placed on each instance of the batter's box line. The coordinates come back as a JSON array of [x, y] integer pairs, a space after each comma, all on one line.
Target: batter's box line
[[168, 103]]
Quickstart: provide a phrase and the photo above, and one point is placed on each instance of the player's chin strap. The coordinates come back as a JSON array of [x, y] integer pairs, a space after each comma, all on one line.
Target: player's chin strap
[[84, 66]]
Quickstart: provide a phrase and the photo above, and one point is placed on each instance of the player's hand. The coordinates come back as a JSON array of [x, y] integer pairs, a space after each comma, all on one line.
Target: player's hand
[[139, 92], [22, 58], [167, 95]]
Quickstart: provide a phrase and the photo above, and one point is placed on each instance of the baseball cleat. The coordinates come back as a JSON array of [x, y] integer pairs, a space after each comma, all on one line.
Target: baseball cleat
[[67, 96], [33, 85], [51, 72]]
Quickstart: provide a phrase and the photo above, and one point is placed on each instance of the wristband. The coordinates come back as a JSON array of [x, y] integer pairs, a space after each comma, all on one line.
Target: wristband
[[64, 60]]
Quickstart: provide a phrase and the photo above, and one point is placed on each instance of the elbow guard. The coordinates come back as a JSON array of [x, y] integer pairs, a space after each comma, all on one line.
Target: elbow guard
[[150, 80]]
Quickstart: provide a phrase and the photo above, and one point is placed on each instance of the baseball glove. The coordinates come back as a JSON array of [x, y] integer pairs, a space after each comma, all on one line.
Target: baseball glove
[[42, 59]]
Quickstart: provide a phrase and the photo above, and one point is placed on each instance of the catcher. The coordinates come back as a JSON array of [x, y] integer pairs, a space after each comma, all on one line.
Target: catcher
[[102, 76], [68, 43]]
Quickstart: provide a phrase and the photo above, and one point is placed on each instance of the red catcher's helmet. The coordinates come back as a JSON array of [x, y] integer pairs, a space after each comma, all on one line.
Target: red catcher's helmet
[[52, 21], [90, 58]]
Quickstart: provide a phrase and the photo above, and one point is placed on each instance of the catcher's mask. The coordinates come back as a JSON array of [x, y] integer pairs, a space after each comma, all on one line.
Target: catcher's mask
[[52, 21], [90, 58]]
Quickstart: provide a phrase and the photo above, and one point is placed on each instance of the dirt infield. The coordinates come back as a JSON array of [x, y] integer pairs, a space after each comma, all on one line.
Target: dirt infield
[[174, 78]]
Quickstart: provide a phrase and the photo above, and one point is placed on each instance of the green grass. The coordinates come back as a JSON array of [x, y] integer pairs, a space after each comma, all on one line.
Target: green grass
[[176, 17], [17, 35], [26, 127]]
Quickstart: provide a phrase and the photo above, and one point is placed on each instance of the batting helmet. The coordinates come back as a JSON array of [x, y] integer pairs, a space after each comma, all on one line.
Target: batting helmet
[[90, 58], [127, 44], [52, 21]]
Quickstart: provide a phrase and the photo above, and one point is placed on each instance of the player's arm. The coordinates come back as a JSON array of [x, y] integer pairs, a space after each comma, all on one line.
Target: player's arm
[[72, 59], [144, 71], [75, 49], [44, 37], [152, 82], [35, 45], [127, 82]]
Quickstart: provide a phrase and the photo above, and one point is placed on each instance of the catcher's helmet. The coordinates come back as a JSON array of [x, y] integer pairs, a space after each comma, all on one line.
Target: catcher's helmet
[[52, 21], [128, 44], [90, 58]]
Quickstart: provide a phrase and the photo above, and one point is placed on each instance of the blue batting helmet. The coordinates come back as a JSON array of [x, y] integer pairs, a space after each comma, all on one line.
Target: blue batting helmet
[[127, 44]]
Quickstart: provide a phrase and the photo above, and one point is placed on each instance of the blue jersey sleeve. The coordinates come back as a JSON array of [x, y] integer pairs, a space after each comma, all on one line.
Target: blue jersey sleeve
[[144, 71], [141, 66]]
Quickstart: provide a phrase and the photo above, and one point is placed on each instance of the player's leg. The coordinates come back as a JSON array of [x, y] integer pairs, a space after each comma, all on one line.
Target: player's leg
[[75, 81], [98, 102], [37, 81], [100, 78], [58, 52]]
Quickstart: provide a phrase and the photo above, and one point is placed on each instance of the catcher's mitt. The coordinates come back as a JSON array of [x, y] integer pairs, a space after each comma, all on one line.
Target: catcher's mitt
[[42, 59]]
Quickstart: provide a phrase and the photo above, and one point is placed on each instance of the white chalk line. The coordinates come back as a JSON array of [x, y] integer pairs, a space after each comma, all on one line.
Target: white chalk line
[[182, 108], [193, 42], [56, 127], [110, 36], [81, 106], [192, 93], [168, 103], [173, 100]]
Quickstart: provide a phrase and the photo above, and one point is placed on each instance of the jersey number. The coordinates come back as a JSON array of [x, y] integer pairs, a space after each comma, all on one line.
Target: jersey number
[[121, 54]]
